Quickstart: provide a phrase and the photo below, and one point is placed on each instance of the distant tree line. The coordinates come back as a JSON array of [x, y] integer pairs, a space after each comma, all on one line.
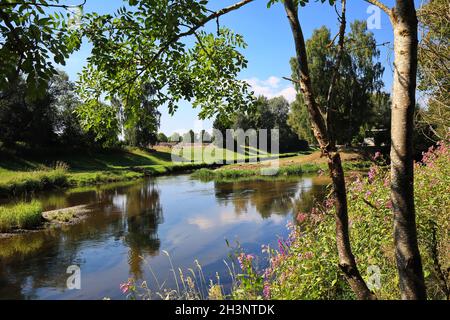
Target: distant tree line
[[54, 118]]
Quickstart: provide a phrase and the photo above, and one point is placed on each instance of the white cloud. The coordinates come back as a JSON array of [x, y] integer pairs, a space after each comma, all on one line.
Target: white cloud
[[229, 218], [272, 87]]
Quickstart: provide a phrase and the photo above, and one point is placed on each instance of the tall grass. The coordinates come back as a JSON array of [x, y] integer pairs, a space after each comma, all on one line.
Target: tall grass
[[190, 284], [28, 182], [20, 216]]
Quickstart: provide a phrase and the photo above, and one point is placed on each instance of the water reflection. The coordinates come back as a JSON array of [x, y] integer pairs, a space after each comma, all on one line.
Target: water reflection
[[137, 220], [268, 197]]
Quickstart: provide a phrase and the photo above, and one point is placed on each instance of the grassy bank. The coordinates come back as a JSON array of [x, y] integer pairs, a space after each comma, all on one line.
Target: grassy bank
[[294, 165], [20, 216], [22, 173], [219, 174]]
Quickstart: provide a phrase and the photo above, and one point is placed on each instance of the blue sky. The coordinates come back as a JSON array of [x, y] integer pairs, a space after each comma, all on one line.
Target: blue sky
[[270, 46]]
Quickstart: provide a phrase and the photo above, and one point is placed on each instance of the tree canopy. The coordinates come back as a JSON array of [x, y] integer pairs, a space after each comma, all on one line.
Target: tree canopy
[[358, 82]]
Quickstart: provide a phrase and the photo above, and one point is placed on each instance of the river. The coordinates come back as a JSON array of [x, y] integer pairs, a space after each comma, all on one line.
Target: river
[[131, 225]]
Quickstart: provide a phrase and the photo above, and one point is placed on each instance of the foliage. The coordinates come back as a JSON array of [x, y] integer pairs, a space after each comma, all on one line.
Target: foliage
[[264, 114], [175, 137], [35, 116], [20, 216], [48, 120], [162, 137], [357, 87], [305, 266], [140, 52], [434, 65], [101, 119], [30, 35]]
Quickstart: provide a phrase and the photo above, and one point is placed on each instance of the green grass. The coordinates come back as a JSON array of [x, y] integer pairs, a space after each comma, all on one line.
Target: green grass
[[240, 173], [22, 174], [20, 216], [290, 170], [22, 182]]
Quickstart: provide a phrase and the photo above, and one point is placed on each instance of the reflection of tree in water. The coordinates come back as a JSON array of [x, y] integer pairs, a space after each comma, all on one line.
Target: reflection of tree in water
[[308, 197], [276, 196], [131, 213], [144, 214]]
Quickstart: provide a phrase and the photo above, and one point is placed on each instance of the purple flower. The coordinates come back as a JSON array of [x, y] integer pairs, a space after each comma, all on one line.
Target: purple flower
[[266, 290], [245, 260], [372, 173]]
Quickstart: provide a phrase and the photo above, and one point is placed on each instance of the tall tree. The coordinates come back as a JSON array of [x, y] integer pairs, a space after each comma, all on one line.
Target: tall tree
[[298, 120], [404, 22], [358, 80], [175, 137], [325, 137]]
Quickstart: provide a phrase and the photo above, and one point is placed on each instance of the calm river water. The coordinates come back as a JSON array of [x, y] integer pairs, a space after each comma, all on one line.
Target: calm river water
[[137, 220]]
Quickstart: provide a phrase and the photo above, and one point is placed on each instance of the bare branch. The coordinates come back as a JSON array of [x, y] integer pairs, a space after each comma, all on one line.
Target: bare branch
[[337, 64], [382, 6]]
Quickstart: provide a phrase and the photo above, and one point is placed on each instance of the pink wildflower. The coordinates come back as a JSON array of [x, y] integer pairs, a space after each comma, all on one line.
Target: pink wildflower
[[377, 155], [301, 217], [389, 204], [125, 287]]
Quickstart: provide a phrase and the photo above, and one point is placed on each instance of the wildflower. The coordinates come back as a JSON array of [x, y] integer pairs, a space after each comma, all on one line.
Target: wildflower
[[372, 173], [377, 155], [125, 287], [329, 202], [308, 255], [368, 193], [266, 290], [389, 204], [283, 246], [301, 217], [245, 260]]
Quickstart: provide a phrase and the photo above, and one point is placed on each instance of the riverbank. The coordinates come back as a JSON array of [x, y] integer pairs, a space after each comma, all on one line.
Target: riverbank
[[300, 164], [22, 174]]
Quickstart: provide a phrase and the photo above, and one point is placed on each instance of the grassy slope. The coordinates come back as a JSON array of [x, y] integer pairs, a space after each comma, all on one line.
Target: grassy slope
[[19, 175]]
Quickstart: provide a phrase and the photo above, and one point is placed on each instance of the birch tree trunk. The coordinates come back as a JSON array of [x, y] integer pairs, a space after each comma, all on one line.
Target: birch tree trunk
[[407, 254]]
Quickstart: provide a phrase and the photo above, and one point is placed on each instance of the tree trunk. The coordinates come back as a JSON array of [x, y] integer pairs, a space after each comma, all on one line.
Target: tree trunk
[[347, 261], [409, 263]]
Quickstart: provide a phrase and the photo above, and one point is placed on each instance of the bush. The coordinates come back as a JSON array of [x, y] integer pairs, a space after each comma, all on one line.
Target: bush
[[20, 216], [305, 266]]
